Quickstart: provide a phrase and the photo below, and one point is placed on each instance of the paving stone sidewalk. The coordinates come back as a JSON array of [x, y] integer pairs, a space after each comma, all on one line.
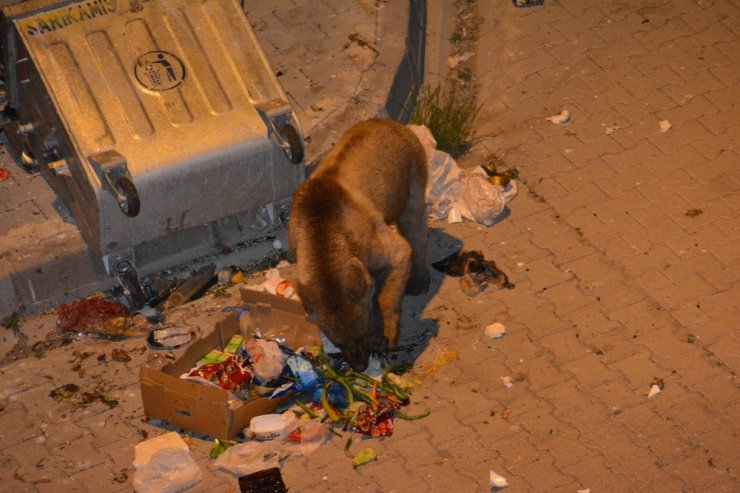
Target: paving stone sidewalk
[[622, 244]]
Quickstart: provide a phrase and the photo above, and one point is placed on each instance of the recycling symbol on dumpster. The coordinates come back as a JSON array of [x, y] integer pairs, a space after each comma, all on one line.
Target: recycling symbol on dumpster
[[159, 71]]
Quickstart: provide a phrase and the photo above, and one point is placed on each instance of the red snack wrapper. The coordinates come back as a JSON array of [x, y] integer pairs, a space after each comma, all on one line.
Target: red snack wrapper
[[228, 374], [373, 424]]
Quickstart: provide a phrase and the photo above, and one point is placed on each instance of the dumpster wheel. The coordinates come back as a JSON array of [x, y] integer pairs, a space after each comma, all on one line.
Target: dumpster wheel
[[295, 147], [131, 205], [129, 279]]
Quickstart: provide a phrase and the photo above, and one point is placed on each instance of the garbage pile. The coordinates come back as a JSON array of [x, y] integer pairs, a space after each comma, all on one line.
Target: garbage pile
[[322, 387], [325, 397]]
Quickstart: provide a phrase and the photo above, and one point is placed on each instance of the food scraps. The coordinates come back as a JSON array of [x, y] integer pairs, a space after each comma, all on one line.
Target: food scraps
[[93, 314], [444, 358], [71, 393], [64, 393], [120, 355]]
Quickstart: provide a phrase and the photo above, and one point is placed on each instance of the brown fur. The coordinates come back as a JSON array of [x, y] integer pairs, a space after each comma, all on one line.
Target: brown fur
[[352, 264]]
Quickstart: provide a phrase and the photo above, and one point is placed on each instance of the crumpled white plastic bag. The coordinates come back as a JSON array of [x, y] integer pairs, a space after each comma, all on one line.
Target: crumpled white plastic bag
[[248, 457], [267, 358], [480, 200], [169, 470], [451, 189], [252, 456]]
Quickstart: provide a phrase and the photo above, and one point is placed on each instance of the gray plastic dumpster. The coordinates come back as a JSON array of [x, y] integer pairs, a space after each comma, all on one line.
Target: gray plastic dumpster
[[158, 123]]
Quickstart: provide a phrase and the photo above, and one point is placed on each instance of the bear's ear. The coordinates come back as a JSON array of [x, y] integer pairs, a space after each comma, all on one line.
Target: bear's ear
[[356, 279]]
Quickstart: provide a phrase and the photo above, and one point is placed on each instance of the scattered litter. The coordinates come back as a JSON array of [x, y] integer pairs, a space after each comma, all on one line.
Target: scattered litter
[[665, 126], [616, 410], [4, 174], [693, 212], [611, 130], [454, 60], [444, 358], [496, 481], [560, 118], [587, 490], [453, 216], [277, 244], [193, 288], [230, 276], [64, 393], [120, 355], [94, 314], [363, 457], [248, 457], [271, 426], [268, 360], [475, 272], [170, 338], [329, 347], [275, 284], [501, 178], [468, 192], [169, 470], [144, 451], [656, 387], [164, 464], [527, 3], [219, 447], [508, 382], [496, 330], [71, 393], [265, 481], [374, 367], [189, 441], [307, 437]]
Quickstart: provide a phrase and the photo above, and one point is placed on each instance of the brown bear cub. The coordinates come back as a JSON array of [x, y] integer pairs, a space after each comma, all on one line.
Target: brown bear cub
[[358, 235]]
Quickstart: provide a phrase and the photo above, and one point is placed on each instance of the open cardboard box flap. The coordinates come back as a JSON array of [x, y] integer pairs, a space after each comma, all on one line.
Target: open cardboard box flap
[[205, 409]]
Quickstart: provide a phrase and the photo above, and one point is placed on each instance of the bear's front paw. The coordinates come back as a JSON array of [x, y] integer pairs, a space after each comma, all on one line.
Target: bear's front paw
[[378, 345]]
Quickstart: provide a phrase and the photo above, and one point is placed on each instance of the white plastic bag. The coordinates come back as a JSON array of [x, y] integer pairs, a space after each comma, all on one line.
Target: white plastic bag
[[481, 201], [454, 191], [248, 457], [169, 470], [267, 358]]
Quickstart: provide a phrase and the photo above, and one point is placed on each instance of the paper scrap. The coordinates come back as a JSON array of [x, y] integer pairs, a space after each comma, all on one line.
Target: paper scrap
[[562, 117]]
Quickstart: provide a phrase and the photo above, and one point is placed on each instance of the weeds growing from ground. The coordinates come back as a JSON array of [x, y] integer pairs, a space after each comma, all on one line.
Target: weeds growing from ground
[[449, 115]]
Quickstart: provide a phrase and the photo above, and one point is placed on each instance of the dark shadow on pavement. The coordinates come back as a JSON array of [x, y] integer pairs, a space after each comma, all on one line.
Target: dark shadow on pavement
[[417, 332]]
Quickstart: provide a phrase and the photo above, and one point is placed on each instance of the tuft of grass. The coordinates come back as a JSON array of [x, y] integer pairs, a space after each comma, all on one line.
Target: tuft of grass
[[450, 117], [12, 322]]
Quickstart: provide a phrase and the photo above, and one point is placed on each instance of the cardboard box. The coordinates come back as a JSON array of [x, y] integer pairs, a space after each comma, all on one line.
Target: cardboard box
[[205, 409]]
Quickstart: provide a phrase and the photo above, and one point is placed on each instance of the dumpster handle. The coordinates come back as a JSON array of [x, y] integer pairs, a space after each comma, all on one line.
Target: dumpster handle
[[128, 197], [291, 143]]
